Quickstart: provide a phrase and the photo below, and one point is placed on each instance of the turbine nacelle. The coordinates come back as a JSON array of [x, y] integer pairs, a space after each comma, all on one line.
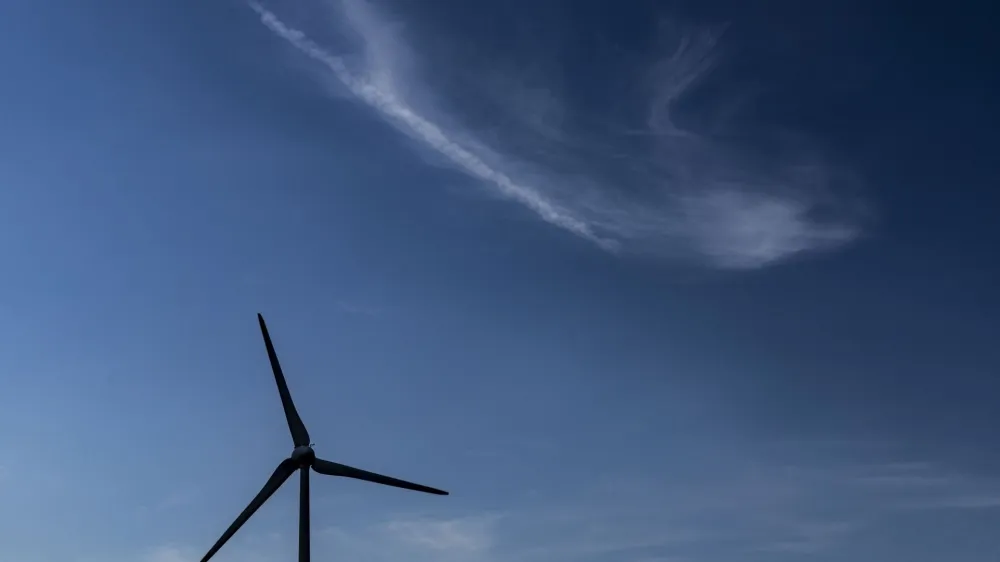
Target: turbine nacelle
[[303, 456]]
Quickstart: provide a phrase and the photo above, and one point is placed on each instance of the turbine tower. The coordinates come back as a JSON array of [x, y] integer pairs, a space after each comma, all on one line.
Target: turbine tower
[[302, 459]]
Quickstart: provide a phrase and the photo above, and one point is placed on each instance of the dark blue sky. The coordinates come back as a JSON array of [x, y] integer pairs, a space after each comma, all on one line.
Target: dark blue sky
[[634, 280]]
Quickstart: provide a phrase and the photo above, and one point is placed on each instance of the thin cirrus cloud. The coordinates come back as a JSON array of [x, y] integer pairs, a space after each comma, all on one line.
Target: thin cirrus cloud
[[738, 511], [795, 502], [657, 189]]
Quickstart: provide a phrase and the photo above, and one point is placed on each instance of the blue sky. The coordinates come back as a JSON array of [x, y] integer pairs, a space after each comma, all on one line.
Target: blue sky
[[647, 282]]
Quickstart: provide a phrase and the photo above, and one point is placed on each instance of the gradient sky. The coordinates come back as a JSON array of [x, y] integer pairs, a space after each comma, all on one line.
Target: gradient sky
[[635, 281]]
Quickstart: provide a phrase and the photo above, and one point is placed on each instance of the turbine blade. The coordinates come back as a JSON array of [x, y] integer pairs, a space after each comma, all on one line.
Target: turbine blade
[[284, 470], [300, 436], [336, 469]]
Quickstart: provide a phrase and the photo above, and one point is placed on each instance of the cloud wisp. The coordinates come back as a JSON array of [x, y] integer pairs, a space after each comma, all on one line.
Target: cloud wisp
[[739, 507], [658, 189], [377, 93]]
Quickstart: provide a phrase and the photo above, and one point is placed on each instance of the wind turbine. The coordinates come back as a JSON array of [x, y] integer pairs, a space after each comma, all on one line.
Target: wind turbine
[[302, 459]]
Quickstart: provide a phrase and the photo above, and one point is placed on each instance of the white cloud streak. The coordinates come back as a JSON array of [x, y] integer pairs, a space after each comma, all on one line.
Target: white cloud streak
[[736, 511], [692, 198], [169, 553], [468, 535], [377, 93]]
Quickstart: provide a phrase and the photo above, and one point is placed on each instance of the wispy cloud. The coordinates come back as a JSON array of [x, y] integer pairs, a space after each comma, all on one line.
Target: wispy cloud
[[246, 546], [731, 510], [972, 501], [468, 535], [178, 499], [465, 538], [737, 506], [376, 90], [659, 189], [809, 537], [169, 553]]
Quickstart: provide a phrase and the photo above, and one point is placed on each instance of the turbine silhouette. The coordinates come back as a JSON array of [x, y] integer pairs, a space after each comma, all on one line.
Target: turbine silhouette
[[302, 459]]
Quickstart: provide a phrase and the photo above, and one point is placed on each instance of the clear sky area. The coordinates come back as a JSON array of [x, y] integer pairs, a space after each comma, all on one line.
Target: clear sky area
[[634, 281]]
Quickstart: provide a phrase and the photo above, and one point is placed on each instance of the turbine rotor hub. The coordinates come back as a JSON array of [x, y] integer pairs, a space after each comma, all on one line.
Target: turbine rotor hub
[[304, 455]]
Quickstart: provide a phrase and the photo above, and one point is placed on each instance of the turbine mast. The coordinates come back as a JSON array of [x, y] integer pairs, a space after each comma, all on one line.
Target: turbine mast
[[304, 514]]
